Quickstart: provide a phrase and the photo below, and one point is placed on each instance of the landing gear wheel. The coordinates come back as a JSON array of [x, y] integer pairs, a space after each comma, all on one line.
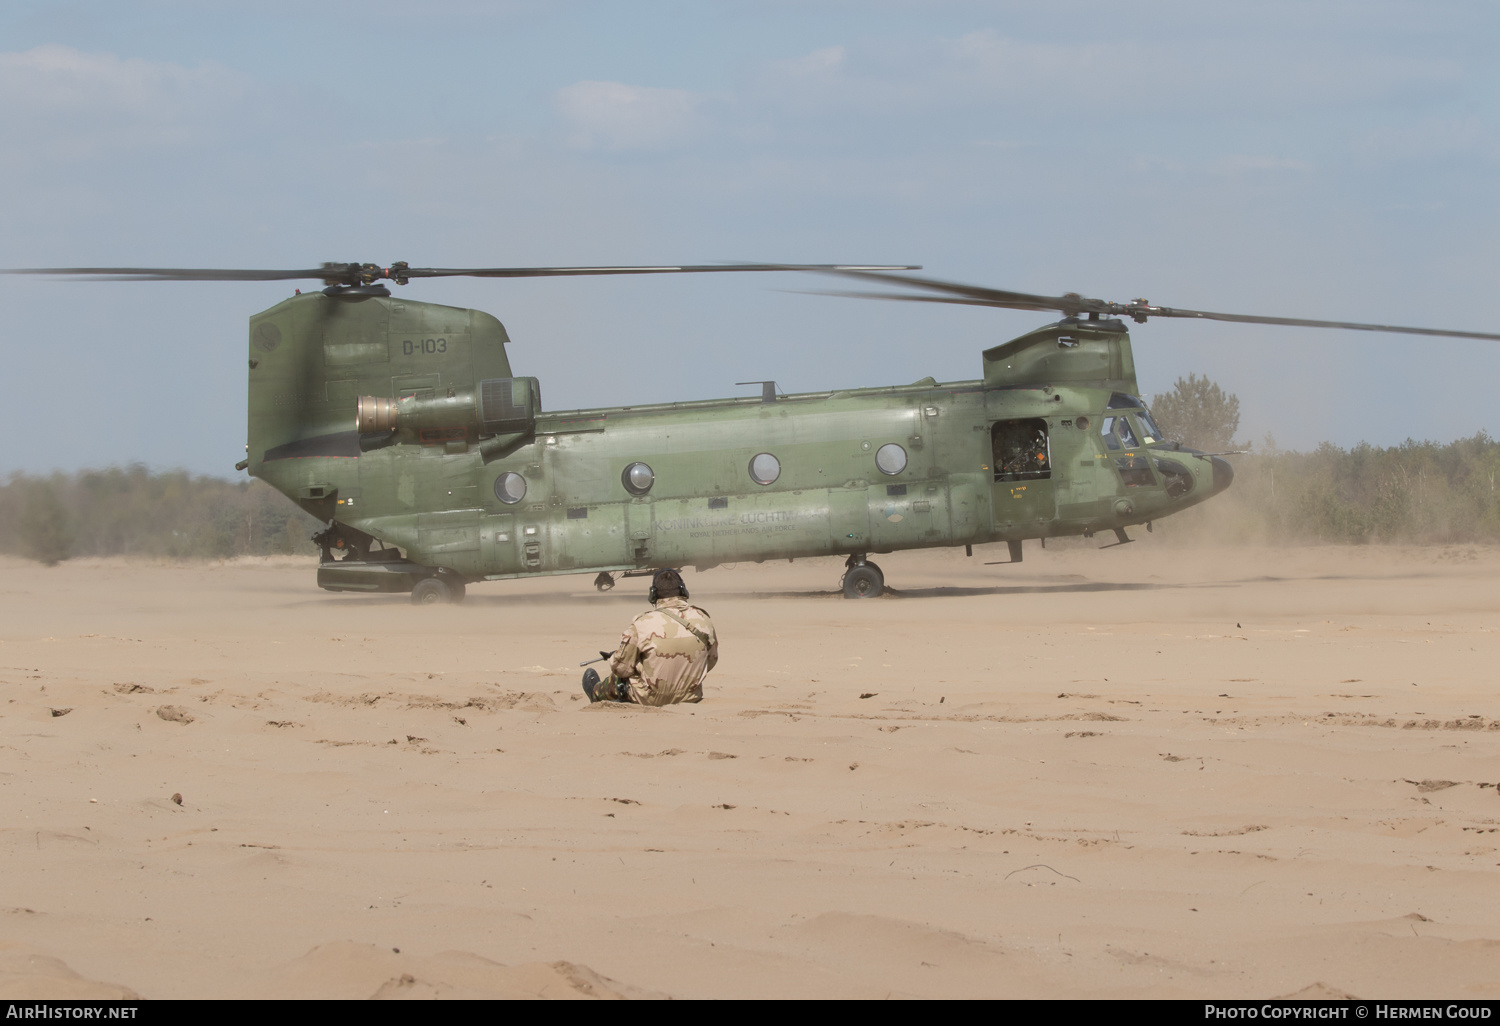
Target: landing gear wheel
[[864, 580], [604, 582], [433, 591]]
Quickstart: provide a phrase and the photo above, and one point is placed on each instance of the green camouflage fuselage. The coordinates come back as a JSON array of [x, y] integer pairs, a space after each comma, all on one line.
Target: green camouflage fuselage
[[1050, 442]]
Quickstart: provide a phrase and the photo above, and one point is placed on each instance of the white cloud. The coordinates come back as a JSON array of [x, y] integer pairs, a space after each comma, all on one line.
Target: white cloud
[[1258, 77], [1242, 163], [1432, 138], [616, 116], [93, 140], [986, 70], [819, 62], [58, 81], [61, 105]]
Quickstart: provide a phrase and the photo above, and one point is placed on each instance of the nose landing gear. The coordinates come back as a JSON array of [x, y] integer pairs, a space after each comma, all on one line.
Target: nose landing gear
[[862, 579]]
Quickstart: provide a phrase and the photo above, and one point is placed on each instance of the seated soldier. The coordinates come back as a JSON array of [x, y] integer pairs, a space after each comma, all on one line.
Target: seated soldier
[[663, 655]]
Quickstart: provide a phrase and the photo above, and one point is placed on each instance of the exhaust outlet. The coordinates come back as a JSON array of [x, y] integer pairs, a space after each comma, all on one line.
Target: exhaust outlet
[[374, 415]]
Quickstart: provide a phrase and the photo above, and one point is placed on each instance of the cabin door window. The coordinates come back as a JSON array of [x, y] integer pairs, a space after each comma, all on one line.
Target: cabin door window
[[1023, 493], [1020, 451]]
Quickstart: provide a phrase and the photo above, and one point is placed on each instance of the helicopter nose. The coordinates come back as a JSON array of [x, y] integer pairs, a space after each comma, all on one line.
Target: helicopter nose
[[1223, 474]]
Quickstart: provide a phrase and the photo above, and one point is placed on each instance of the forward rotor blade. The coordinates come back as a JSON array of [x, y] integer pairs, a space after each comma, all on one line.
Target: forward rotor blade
[[1072, 304], [1297, 322], [955, 300]]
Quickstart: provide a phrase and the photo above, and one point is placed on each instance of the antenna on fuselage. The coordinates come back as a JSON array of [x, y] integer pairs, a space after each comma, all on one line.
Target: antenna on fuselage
[[767, 389]]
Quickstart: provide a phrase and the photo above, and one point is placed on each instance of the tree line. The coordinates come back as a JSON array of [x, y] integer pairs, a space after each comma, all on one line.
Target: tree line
[[1415, 492], [133, 511]]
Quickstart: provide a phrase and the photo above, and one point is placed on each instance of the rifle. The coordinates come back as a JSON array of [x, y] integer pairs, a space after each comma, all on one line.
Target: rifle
[[603, 657]]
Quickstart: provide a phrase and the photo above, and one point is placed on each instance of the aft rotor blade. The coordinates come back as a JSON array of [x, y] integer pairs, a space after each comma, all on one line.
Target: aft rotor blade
[[357, 274], [559, 272], [171, 273]]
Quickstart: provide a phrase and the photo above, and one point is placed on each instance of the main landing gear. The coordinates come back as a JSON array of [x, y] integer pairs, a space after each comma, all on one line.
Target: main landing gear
[[434, 591], [862, 579], [364, 567]]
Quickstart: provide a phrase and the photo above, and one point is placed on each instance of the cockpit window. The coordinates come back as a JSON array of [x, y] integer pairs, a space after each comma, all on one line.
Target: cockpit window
[[1150, 433], [1118, 434], [1121, 401]]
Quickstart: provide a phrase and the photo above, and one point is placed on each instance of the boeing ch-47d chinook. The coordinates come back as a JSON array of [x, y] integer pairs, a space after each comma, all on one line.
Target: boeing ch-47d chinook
[[402, 427]]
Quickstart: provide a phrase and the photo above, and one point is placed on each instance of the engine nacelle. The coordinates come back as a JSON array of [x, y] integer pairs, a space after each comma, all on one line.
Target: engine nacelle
[[495, 406]]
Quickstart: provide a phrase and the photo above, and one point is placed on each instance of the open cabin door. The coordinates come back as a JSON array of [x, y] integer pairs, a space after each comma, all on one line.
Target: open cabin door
[[1024, 495]]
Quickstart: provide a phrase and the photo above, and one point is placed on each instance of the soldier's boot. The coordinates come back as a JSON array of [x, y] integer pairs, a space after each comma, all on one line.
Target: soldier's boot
[[607, 689], [591, 686]]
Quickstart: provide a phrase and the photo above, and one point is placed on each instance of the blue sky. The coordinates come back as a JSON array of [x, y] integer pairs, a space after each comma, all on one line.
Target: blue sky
[[1313, 159]]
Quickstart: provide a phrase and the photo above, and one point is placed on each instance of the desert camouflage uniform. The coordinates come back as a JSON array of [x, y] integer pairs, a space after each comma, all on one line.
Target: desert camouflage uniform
[[659, 661]]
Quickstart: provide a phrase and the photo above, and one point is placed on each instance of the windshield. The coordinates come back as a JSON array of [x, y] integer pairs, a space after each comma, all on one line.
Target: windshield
[[1149, 430]]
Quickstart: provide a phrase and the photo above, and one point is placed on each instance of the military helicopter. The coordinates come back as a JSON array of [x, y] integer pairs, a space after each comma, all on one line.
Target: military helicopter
[[401, 426]]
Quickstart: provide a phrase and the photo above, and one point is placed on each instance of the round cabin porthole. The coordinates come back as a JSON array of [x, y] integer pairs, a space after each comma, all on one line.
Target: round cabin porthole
[[765, 469], [510, 488], [890, 458], [637, 479]]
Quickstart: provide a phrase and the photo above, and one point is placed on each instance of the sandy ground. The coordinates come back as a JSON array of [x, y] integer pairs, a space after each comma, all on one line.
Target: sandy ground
[[1142, 772]]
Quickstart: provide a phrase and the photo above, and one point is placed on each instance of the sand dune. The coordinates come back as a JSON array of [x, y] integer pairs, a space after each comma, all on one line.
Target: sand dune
[[1150, 771], [28, 976]]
